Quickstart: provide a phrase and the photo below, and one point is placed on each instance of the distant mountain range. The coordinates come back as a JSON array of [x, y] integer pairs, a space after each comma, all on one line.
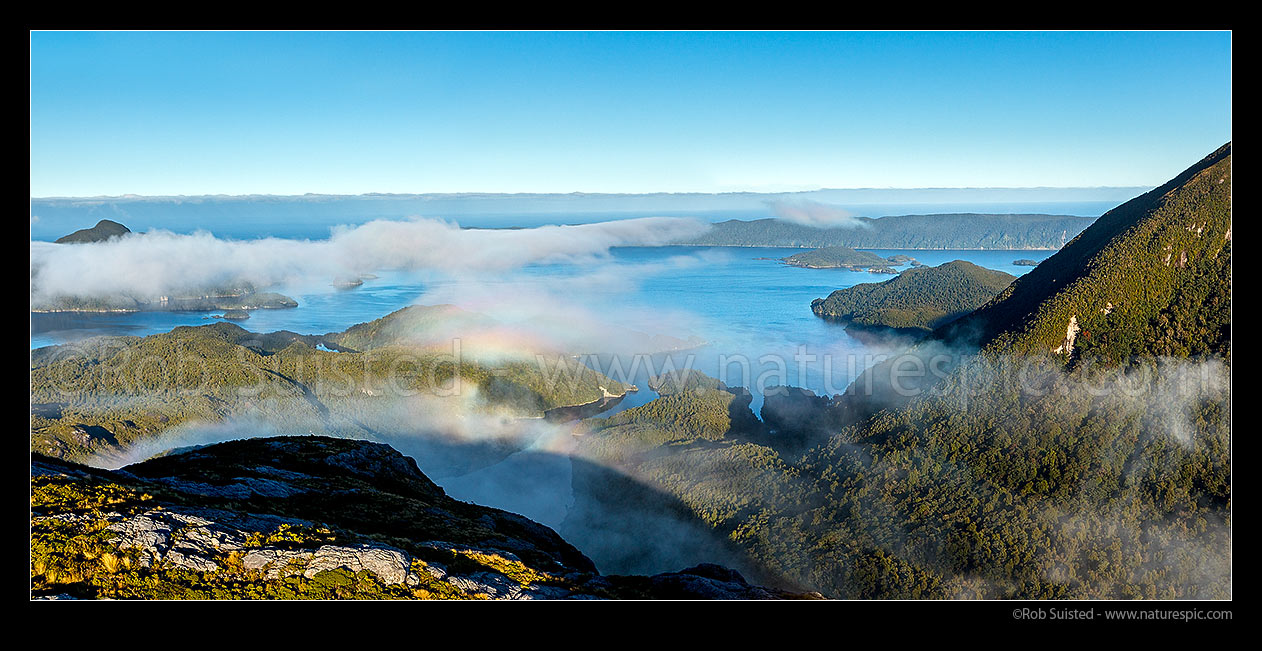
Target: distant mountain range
[[951, 231], [311, 215]]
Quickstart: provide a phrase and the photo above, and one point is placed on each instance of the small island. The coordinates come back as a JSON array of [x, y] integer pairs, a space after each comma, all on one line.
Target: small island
[[840, 257], [103, 231], [915, 302], [1026, 262], [234, 315], [235, 298]]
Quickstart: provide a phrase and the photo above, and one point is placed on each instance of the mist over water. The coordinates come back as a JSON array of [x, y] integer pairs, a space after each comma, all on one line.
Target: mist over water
[[737, 314], [742, 307], [245, 218]]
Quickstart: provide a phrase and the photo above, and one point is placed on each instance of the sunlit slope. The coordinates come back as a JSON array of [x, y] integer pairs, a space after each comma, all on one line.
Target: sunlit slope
[[1017, 474], [920, 298], [308, 518], [422, 325], [106, 394], [1150, 277]]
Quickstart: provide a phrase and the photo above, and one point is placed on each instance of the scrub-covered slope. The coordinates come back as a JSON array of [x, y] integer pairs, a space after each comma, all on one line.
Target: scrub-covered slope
[[1096, 465], [108, 394], [919, 299], [1150, 277], [307, 518]]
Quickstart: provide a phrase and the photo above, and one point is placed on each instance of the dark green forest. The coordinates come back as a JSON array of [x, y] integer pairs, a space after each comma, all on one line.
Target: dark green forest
[[1102, 470], [953, 231], [921, 298]]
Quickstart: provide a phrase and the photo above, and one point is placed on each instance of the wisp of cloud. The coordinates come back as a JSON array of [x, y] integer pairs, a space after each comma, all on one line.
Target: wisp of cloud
[[159, 263], [813, 213]]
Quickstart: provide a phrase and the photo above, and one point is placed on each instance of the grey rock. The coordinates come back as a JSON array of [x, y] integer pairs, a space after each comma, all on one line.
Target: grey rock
[[436, 570], [180, 539], [390, 565], [275, 562], [242, 488]]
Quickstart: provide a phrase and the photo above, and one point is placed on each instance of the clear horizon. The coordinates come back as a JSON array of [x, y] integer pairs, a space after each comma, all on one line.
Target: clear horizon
[[575, 192], [349, 113]]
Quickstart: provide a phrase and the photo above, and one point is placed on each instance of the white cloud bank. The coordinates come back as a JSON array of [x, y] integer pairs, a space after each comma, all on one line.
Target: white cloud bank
[[159, 263]]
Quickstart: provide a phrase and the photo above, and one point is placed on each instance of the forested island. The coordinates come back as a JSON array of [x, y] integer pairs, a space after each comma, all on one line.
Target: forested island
[[104, 230], [235, 299], [918, 300], [840, 257], [950, 231]]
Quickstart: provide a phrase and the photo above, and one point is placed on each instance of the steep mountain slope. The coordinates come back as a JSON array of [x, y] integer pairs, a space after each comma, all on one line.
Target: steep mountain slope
[[1022, 472], [307, 518], [1152, 276], [919, 299]]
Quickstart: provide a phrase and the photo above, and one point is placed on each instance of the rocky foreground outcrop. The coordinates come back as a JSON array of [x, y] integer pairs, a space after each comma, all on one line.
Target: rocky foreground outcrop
[[308, 517]]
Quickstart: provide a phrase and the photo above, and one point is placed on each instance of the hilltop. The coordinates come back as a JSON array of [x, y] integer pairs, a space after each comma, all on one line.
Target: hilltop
[[229, 296], [104, 230], [919, 299]]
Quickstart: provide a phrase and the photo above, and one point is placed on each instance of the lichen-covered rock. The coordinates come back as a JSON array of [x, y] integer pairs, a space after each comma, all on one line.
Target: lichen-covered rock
[[390, 565], [306, 517], [182, 540]]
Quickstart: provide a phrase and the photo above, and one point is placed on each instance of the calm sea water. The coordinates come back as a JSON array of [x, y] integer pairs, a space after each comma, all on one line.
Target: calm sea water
[[754, 314], [750, 312]]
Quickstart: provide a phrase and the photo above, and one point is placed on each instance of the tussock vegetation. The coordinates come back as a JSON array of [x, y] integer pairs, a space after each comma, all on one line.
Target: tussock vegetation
[[357, 521]]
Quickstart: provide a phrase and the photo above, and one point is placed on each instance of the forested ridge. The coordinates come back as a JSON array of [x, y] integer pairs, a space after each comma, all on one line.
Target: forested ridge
[[950, 231], [920, 298], [106, 394], [1102, 470]]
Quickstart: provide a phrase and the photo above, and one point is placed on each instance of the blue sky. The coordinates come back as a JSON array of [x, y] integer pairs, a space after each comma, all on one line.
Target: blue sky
[[352, 112]]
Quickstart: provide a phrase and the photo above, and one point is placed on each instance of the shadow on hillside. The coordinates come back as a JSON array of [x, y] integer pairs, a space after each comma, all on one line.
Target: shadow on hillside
[[622, 524], [628, 527]]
